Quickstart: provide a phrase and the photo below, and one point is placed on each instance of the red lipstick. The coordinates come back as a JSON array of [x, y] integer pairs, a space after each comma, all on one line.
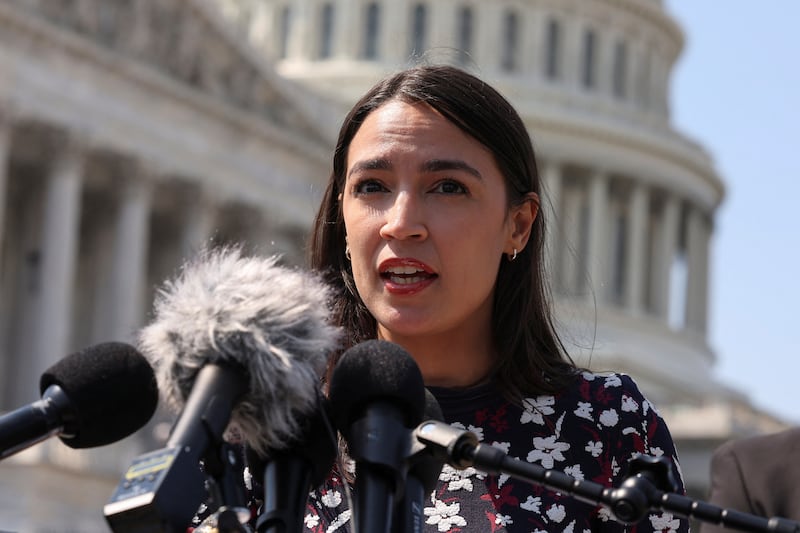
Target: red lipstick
[[404, 275]]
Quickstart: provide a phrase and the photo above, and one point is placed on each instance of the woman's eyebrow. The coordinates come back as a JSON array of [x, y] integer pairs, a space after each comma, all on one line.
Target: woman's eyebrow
[[378, 163], [436, 165], [432, 165]]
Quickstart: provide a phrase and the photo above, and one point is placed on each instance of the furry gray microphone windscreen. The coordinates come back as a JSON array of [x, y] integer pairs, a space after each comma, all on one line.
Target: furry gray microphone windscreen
[[247, 312]]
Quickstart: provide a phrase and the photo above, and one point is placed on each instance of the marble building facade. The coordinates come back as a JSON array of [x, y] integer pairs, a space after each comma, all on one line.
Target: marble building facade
[[131, 135]]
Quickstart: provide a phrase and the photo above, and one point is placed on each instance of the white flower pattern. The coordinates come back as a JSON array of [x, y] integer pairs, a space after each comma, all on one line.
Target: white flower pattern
[[547, 451], [594, 448], [665, 522], [536, 409], [609, 418], [584, 410], [444, 516], [556, 513], [532, 504], [332, 498]]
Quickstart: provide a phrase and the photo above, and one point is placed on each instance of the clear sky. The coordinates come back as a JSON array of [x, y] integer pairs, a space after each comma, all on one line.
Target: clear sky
[[736, 90]]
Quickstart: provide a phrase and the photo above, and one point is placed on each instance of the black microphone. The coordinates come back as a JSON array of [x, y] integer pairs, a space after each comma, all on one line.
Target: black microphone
[[90, 398], [377, 396], [424, 467], [238, 343], [289, 474]]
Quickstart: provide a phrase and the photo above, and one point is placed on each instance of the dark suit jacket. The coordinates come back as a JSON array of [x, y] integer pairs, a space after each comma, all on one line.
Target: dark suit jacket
[[758, 475]]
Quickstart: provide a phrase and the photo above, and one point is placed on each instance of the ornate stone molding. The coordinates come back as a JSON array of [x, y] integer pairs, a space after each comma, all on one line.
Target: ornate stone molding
[[180, 39], [689, 156]]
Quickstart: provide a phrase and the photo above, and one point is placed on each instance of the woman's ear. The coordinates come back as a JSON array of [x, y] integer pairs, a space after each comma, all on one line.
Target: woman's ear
[[521, 218]]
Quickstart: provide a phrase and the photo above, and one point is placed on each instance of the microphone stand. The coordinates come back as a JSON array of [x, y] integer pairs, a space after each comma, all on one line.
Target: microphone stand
[[650, 485], [379, 468], [286, 484], [422, 471], [223, 464]]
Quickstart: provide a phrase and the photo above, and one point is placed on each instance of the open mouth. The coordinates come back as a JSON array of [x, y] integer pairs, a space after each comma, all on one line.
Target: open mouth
[[406, 275]]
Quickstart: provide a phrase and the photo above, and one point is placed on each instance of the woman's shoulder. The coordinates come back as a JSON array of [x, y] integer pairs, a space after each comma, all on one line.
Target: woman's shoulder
[[606, 401], [604, 387]]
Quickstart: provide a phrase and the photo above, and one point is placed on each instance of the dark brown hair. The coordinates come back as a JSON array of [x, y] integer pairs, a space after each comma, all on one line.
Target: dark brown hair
[[532, 359]]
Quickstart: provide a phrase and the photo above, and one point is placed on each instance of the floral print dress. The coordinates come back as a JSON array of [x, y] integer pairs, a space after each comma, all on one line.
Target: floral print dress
[[590, 431]]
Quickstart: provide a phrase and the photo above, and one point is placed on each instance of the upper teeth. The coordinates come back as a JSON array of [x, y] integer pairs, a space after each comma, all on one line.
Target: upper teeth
[[403, 270]]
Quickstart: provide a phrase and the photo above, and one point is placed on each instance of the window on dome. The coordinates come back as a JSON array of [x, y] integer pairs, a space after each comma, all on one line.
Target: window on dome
[[418, 30], [465, 30], [326, 31], [508, 61], [588, 74], [371, 31], [553, 50], [620, 250]]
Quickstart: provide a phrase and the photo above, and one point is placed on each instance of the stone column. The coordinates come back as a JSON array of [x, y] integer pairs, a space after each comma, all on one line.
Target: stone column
[[643, 90], [636, 238], [550, 208], [570, 262], [59, 248], [529, 37], [660, 83], [666, 237], [299, 45], [486, 47], [597, 253], [198, 224], [5, 147], [572, 51], [697, 261], [536, 40], [443, 17], [348, 24], [603, 59], [394, 31], [127, 279], [6, 304]]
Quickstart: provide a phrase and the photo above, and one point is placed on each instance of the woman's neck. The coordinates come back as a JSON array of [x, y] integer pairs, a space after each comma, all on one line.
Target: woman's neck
[[452, 361]]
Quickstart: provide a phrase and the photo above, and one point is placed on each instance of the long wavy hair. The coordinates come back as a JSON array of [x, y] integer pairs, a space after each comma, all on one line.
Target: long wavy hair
[[532, 358]]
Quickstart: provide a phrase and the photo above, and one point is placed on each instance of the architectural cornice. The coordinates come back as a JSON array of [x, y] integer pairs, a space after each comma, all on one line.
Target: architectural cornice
[[666, 145], [61, 79], [199, 62], [653, 14]]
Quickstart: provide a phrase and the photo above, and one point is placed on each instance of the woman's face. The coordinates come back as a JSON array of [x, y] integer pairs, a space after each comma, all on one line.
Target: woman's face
[[427, 223]]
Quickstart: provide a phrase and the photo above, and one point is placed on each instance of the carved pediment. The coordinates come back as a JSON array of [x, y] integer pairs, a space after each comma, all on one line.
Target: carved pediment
[[187, 40]]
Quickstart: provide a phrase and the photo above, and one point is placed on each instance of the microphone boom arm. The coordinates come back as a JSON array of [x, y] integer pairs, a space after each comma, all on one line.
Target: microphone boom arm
[[649, 487]]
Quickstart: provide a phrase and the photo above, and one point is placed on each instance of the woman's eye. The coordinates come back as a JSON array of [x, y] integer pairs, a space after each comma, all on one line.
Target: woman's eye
[[450, 187], [368, 186]]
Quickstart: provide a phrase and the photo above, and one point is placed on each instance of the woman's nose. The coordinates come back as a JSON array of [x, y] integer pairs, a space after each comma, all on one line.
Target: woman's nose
[[405, 219]]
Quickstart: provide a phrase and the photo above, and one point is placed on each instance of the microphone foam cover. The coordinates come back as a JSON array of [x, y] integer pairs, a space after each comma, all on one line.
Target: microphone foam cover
[[250, 313], [376, 370], [111, 388]]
